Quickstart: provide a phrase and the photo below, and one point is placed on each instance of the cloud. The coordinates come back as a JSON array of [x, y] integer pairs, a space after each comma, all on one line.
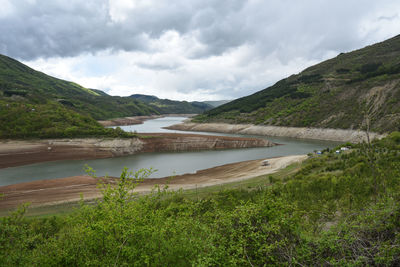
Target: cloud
[[188, 49]]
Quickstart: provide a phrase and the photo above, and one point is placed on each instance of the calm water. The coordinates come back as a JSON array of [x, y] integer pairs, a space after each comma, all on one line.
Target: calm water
[[167, 163]]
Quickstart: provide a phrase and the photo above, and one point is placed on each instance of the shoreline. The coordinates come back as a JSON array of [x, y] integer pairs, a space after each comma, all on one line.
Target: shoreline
[[70, 189], [138, 119], [18, 152], [328, 134]]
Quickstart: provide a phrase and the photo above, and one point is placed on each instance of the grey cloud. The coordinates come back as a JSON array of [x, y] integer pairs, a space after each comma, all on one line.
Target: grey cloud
[[159, 66], [59, 28], [390, 18], [289, 29]]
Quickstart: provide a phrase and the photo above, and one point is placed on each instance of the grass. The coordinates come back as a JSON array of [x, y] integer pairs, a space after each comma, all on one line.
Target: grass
[[247, 184], [49, 210]]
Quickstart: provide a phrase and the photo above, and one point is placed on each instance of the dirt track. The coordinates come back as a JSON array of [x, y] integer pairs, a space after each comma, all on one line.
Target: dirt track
[[47, 192]]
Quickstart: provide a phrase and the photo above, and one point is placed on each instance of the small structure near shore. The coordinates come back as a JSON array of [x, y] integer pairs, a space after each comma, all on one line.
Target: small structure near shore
[[265, 163]]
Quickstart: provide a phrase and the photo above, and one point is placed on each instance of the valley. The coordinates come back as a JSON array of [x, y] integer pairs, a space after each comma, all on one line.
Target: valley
[[303, 173]]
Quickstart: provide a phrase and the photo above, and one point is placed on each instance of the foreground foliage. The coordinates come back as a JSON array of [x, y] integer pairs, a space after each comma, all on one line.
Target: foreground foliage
[[338, 209]]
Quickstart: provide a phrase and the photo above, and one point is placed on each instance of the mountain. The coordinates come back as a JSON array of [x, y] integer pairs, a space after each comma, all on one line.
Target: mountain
[[18, 80], [216, 103], [145, 98], [33, 104], [165, 106], [343, 92]]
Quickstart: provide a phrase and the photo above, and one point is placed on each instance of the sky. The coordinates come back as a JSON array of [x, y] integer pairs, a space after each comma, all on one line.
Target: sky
[[187, 49]]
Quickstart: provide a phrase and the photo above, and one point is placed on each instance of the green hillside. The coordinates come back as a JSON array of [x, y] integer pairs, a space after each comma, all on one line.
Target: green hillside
[[216, 103], [18, 82], [167, 106], [33, 104], [336, 93]]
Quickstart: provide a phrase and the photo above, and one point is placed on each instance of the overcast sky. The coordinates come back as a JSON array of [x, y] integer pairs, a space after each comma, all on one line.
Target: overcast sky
[[187, 49]]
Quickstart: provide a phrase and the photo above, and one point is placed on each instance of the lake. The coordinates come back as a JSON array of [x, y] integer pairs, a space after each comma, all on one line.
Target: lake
[[166, 163]]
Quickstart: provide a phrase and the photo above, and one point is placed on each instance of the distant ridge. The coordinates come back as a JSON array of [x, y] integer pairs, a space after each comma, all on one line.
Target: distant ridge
[[165, 106], [217, 103]]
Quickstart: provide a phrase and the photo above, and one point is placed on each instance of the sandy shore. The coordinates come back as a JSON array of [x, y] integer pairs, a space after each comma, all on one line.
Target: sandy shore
[[340, 135], [48, 192]]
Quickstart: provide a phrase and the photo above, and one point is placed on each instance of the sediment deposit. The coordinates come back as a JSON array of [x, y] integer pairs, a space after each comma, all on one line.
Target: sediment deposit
[[17, 153]]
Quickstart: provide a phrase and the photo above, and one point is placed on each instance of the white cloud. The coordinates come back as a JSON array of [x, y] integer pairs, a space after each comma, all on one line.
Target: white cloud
[[6, 9]]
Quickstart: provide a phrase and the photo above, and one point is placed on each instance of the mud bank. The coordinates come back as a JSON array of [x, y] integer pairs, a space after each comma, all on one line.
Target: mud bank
[[128, 120], [138, 119], [63, 190], [17, 153], [340, 135]]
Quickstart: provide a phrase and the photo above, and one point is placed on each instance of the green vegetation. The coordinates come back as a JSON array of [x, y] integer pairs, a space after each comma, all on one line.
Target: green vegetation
[[52, 120], [216, 103], [337, 93], [166, 106], [334, 209], [35, 105], [19, 83]]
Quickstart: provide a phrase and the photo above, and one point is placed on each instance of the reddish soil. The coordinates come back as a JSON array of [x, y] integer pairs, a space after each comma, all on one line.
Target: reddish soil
[[41, 153]]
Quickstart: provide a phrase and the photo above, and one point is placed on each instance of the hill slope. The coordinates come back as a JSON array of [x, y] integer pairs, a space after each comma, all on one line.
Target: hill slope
[[18, 81], [216, 103], [166, 106], [336, 93], [33, 104]]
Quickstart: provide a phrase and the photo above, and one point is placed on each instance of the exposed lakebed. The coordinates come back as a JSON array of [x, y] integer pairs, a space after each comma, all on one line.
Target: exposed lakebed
[[166, 163]]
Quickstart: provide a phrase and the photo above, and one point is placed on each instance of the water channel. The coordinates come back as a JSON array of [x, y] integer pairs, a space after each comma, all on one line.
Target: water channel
[[166, 163]]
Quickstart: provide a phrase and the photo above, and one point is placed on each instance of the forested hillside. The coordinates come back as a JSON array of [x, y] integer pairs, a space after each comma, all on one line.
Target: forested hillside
[[20, 83], [337, 93], [167, 106], [33, 104], [334, 209]]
